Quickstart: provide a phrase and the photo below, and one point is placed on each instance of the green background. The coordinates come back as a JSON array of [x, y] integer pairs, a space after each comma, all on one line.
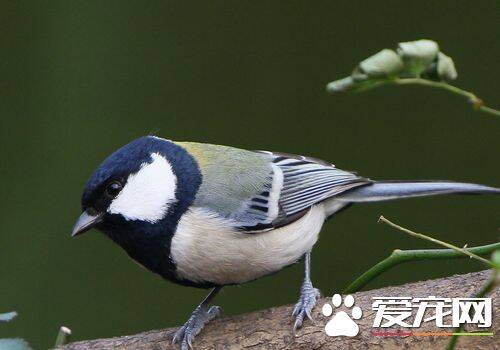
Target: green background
[[78, 79]]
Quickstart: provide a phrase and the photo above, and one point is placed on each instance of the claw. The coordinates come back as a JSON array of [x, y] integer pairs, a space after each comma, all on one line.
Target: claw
[[178, 335], [296, 309], [305, 305], [193, 326], [189, 343], [298, 323], [214, 311]]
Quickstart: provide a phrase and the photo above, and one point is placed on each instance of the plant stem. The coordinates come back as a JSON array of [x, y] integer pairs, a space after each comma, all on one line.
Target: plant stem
[[433, 240], [485, 289], [489, 110], [63, 336], [400, 256], [476, 102]]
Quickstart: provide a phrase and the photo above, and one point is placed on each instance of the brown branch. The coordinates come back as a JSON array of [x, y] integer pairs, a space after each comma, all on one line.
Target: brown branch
[[272, 328]]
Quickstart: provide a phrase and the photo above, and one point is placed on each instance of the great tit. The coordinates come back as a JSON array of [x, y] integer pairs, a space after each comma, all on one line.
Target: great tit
[[209, 216]]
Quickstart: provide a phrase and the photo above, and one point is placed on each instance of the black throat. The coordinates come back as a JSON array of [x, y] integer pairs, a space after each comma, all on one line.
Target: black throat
[[146, 243]]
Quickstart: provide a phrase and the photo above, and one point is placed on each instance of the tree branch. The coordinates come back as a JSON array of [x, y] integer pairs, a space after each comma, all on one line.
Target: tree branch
[[272, 328]]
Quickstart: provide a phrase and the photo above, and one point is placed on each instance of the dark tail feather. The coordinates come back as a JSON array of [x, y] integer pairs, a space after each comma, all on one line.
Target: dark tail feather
[[386, 190]]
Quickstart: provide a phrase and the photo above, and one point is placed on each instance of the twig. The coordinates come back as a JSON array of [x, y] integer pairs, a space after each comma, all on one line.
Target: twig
[[475, 101], [401, 256], [433, 240]]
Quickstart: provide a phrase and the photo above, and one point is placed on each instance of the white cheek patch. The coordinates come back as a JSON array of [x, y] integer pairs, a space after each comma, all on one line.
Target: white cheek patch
[[148, 194]]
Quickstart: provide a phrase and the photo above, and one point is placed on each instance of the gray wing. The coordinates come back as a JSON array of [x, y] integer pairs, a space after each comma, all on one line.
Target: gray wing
[[298, 183], [259, 191]]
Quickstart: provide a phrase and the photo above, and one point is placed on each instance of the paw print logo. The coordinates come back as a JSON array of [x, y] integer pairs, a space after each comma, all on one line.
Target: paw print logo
[[341, 324]]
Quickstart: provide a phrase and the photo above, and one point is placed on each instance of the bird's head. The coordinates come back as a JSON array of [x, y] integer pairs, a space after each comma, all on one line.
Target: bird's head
[[141, 189]]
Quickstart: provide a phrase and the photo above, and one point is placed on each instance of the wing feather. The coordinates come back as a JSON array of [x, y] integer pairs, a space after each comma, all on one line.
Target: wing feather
[[260, 191], [305, 182]]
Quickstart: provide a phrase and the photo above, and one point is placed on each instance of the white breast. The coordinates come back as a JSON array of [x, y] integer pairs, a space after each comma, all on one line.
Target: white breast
[[205, 248]]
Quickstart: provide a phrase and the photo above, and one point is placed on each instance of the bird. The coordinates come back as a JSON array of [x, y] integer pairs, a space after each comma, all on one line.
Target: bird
[[209, 216]]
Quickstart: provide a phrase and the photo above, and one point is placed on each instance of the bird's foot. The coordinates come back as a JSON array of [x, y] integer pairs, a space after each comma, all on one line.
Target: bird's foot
[[307, 300], [200, 316]]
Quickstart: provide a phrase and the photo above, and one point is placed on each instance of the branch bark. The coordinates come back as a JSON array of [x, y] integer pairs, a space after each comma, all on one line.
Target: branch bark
[[272, 328]]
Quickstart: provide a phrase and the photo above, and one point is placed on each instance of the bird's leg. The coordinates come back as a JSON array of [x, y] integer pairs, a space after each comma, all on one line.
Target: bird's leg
[[308, 296], [200, 316]]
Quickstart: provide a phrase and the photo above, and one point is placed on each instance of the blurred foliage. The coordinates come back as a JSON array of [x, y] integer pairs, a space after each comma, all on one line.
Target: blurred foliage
[[8, 316], [12, 343]]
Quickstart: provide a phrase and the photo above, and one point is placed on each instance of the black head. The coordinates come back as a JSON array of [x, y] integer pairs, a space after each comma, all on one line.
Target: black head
[[139, 192]]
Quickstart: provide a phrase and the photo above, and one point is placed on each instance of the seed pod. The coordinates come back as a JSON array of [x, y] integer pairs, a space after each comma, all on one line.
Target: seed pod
[[383, 64], [418, 55], [445, 67], [341, 85]]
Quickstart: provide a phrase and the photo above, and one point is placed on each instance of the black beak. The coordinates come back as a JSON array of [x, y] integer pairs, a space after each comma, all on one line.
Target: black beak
[[85, 222]]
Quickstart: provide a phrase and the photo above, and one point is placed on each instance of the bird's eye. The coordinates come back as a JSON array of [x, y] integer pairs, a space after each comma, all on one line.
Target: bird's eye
[[113, 189]]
